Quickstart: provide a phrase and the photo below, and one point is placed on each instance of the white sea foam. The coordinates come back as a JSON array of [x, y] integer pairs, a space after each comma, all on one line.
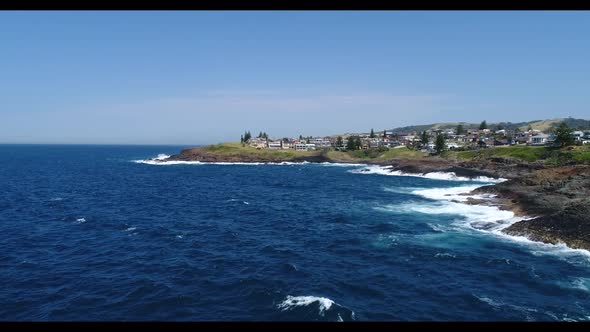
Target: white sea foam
[[130, 229], [341, 164], [161, 157], [298, 301], [579, 283], [56, 199], [561, 250], [496, 305], [484, 218], [80, 220], [447, 176]]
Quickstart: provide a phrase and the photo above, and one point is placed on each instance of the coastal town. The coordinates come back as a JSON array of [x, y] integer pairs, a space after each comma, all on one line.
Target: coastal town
[[429, 141]]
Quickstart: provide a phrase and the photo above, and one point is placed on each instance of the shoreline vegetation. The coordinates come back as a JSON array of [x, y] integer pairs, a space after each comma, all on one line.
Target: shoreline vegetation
[[549, 184]]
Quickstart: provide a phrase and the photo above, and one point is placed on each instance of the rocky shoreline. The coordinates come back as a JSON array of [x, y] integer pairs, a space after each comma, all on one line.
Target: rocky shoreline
[[557, 197]]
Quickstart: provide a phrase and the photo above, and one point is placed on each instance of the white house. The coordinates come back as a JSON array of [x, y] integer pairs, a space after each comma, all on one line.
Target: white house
[[539, 139], [304, 146], [578, 135], [276, 145]]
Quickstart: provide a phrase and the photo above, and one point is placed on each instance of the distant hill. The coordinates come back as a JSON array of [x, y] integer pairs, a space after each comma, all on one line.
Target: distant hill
[[543, 125]]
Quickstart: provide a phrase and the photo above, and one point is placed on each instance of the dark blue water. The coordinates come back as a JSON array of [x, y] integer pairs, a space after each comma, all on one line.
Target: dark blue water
[[88, 234]]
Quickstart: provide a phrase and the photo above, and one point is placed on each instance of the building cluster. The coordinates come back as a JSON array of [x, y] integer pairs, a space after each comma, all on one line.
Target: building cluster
[[326, 142], [468, 140]]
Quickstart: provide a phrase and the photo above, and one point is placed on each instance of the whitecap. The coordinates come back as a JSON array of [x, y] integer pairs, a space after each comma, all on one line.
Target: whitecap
[[298, 301], [80, 220], [579, 283], [444, 254], [130, 229]]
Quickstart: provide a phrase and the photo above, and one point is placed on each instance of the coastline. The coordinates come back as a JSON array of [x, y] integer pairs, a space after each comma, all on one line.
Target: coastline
[[553, 200]]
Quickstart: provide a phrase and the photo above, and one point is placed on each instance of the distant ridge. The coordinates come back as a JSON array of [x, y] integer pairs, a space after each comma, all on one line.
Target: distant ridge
[[542, 125]]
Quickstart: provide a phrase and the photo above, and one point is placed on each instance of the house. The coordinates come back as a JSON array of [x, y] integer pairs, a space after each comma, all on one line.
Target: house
[[578, 135], [305, 146], [500, 142], [259, 143], [539, 139], [321, 142], [275, 145], [452, 146]]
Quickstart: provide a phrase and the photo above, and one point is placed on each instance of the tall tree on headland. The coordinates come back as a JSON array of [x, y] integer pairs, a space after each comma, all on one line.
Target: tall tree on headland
[[563, 135], [339, 142], [460, 129], [350, 143], [439, 145], [424, 138], [372, 135], [247, 136], [483, 125], [384, 133]]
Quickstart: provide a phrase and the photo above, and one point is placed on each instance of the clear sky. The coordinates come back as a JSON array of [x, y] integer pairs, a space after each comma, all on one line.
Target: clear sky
[[204, 77]]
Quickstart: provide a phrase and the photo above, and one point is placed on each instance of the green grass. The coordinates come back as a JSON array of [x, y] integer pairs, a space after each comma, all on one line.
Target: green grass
[[527, 153], [373, 154]]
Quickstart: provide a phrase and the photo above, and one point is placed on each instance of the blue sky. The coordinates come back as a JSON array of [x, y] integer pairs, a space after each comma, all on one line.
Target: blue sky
[[204, 77]]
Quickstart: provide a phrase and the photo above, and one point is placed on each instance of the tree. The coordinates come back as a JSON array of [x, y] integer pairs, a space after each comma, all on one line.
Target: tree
[[354, 143], [350, 144], [460, 129], [247, 136], [563, 135], [424, 139], [300, 137], [339, 142], [499, 127], [483, 125], [439, 145], [241, 138], [260, 135], [372, 135]]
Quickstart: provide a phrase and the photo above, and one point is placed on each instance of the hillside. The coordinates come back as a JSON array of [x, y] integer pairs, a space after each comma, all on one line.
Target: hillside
[[543, 125]]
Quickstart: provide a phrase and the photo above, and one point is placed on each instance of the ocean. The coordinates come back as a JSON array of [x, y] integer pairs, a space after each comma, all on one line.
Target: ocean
[[93, 233]]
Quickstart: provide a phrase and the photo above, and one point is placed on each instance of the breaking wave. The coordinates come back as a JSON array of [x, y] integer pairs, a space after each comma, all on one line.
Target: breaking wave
[[325, 308], [485, 218], [447, 176]]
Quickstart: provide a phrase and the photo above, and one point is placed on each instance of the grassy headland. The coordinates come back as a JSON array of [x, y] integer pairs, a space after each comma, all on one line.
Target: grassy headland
[[237, 152]]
